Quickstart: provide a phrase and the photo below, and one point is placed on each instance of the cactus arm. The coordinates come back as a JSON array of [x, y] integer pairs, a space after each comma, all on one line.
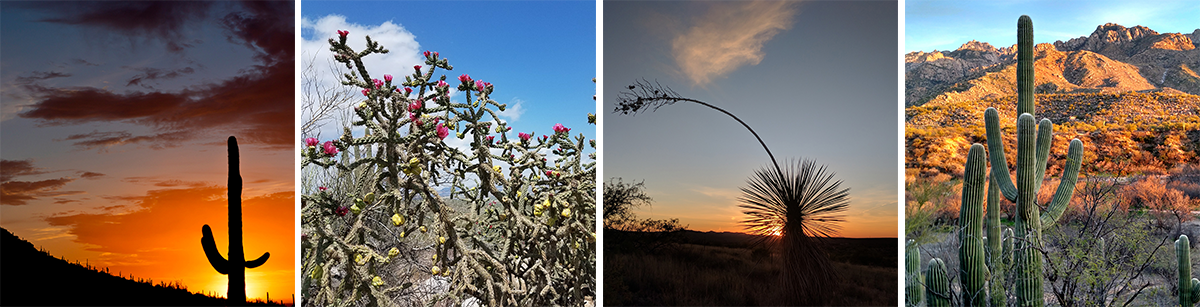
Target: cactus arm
[[258, 262], [1045, 134], [972, 267], [1066, 186], [995, 146], [1195, 289], [214, 255], [1006, 255], [937, 287], [1025, 100]]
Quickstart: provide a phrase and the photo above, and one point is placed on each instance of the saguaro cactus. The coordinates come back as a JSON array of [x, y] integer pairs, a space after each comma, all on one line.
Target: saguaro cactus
[[914, 288], [937, 284], [973, 272], [236, 265], [1031, 167], [1189, 288]]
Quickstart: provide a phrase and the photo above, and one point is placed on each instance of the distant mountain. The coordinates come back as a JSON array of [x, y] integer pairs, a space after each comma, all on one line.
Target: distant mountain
[[33, 277], [1113, 58], [1130, 94]]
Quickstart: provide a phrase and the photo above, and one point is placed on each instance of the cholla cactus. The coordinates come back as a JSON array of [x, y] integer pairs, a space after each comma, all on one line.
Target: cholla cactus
[[476, 209]]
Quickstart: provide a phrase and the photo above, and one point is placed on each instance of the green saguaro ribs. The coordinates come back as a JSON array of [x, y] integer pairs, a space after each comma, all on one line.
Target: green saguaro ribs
[[1189, 288], [994, 250], [914, 288], [971, 258], [937, 284], [1033, 151], [236, 265]]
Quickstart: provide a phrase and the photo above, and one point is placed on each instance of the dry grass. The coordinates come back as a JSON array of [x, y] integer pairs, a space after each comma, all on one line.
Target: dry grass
[[700, 275]]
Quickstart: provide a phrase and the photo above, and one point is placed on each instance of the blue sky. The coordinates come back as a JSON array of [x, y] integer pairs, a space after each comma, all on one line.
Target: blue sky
[[540, 56], [815, 79], [946, 25]]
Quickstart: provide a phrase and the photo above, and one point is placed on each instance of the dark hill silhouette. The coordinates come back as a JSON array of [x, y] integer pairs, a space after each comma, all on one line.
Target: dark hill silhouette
[[33, 277]]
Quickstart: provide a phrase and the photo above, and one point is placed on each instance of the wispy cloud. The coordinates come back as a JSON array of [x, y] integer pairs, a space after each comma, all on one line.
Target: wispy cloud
[[729, 36], [513, 110]]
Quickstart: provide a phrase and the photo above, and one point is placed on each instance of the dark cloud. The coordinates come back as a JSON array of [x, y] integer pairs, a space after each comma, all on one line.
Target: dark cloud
[[101, 141], [10, 169], [78, 61], [149, 73], [257, 105], [164, 20], [91, 175], [39, 76], [65, 201], [19, 193]]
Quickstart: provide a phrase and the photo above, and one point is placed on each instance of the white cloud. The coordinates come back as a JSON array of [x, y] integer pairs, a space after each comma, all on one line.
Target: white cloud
[[402, 46], [513, 110], [729, 36]]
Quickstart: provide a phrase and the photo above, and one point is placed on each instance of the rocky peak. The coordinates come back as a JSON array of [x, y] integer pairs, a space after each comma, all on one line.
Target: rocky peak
[[977, 45]]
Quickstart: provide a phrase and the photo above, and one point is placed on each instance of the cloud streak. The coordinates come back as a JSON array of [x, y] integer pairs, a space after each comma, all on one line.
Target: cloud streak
[[729, 36]]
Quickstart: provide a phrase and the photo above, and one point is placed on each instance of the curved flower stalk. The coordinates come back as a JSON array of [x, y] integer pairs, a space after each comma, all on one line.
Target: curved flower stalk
[[475, 210]]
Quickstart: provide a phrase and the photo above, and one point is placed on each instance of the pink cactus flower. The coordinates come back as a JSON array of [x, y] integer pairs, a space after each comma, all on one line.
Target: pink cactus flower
[[426, 53], [329, 148], [558, 128], [322, 189], [311, 142], [388, 78], [464, 78], [442, 84], [480, 85], [407, 91], [343, 33], [365, 92], [435, 53], [442, 131], [341, 211], [415, 105], [491, 139], [524, 136], [417, 67]]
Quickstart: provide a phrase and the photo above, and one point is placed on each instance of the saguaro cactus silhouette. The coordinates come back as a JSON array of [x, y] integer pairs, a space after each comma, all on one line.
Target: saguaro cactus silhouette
[[236, 265]]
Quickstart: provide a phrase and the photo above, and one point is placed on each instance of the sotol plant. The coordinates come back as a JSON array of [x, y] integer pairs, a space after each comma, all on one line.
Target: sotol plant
[[802, 203], [506, 222], [235, 266], [1032, 156]]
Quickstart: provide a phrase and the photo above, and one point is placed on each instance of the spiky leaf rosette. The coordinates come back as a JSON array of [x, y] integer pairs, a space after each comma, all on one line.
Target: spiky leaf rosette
[[802, 204]]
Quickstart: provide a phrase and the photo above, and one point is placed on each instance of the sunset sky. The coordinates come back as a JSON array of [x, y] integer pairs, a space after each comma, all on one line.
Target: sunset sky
[[114, 126], [815, 79], [945, 25]]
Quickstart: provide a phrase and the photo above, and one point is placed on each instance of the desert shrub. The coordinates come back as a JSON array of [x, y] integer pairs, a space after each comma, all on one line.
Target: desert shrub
[[411, 219], [1169, 207]]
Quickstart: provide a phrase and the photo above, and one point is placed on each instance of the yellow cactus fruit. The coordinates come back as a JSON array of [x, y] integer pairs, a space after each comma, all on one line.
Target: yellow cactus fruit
[[402, 234], [442, 240], [423, 229], [397, 219], [393, 252], [566, 212], [435, 270], [376, 281], [370, 198], [359, 259], [446, 273], [434, 257], [497, 168]]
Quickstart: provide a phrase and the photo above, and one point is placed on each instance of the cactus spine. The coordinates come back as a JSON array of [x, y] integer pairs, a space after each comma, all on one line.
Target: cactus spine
[[914, 284], [1189, 288], [937, 284], [236, 265], [973, 271], [1032, 155]]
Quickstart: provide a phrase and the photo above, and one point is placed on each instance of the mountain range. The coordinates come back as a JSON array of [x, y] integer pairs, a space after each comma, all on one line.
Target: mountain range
[[1132, 95], [1113, 58]]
